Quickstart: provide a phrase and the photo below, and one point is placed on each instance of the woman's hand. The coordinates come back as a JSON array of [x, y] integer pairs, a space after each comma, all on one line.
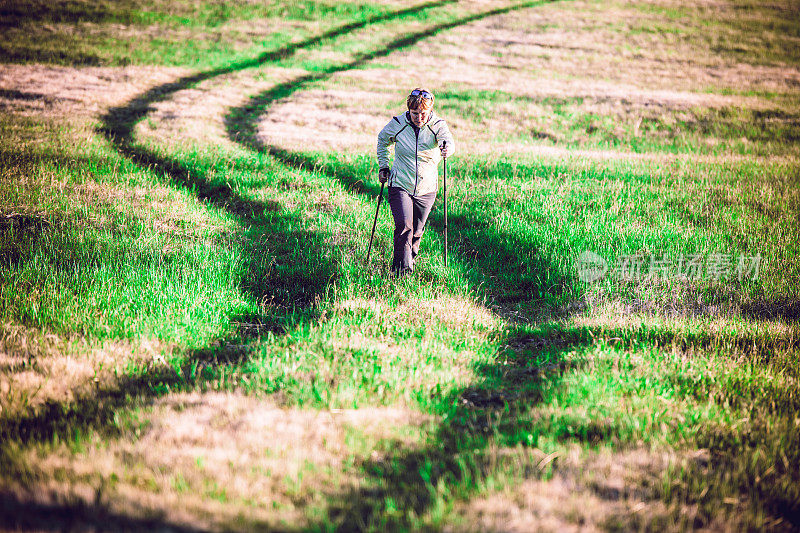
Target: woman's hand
[[383, 174], [444, 149]]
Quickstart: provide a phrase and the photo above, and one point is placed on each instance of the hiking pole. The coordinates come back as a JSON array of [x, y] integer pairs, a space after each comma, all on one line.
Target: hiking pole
[[444, 145], [375, 222]]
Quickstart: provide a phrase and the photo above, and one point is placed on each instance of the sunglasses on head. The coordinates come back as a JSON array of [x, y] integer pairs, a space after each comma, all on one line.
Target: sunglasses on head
[[425, 94]]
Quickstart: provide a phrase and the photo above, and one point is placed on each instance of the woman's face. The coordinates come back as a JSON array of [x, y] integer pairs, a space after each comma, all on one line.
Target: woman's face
[[419, 116]]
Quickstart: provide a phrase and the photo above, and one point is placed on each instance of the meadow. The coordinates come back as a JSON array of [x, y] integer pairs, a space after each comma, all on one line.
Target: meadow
[[192, 340]]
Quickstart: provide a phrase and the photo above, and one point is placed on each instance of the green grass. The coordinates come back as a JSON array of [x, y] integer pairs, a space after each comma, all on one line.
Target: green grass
[[244, 266], [178, 13], [567, 122], [192, 34]]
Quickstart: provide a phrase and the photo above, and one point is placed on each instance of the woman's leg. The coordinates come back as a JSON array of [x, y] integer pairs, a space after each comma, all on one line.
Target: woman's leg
[[403, 214], [422, 208]]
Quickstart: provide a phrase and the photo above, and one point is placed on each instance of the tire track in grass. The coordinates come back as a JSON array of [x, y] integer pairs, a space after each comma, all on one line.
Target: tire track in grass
[[402, 487], [422, 470], [98, 411], [242, 126], [118, 123], [242, 122], [118, 126]]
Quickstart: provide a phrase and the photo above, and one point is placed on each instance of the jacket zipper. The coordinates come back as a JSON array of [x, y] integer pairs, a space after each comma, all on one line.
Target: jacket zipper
[[416, 159]]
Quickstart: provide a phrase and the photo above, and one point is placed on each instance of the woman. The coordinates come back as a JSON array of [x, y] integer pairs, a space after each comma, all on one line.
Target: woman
[[421, 140]]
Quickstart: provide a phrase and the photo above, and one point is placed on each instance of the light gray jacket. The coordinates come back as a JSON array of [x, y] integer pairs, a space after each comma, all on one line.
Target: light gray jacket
[[416, 152]]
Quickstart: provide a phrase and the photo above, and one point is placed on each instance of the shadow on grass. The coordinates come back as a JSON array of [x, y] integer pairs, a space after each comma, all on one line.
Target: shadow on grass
[[407, 484], [286, 268], [309, 273], [509, 272], [494, 409], [485, 426], [506, 285], [402, 487], [20, 515], [119, 122], [14, 13]]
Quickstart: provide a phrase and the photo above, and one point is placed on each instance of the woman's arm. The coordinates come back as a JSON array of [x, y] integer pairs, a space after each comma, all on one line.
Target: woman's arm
[[444, 135], [385, 138]]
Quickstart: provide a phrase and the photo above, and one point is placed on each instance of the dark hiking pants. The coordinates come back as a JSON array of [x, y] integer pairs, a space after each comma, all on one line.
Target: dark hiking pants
[[410, 214]]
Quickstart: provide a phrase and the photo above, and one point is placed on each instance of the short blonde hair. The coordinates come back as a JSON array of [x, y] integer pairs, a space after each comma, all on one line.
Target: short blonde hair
[[419, 101]]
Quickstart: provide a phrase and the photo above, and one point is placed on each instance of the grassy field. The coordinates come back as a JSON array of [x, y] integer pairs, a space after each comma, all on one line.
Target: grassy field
[[190, 339]]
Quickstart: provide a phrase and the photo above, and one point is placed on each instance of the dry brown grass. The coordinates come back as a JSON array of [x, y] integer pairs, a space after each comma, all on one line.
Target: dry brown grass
[[67, 92], [601, 41], [346, 124], [582, 52], [594, 491], [210, 460], [340, 119], [196, 116], [37, 367], [453, 312]]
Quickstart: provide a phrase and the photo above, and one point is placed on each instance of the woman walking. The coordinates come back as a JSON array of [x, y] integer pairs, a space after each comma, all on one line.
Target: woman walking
[[421, 139]]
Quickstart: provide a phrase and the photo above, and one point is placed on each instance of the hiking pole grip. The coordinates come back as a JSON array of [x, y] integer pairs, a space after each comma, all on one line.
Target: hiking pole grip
[[375, 222], [444, 145]]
